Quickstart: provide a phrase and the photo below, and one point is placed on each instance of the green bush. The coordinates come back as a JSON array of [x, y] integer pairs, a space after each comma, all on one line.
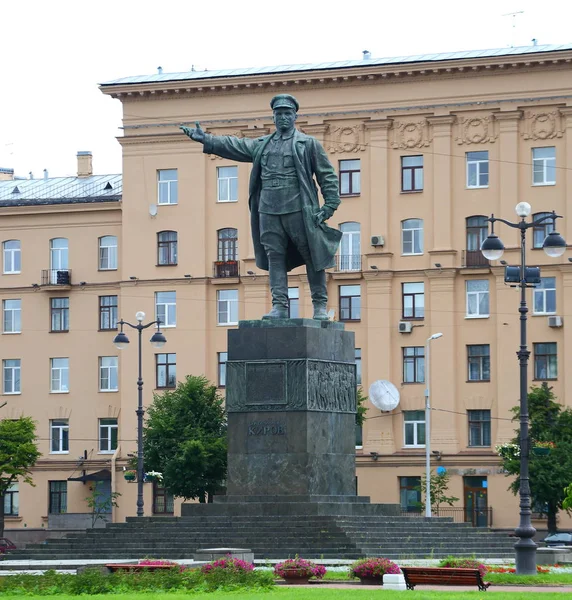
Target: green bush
[[463, 563]]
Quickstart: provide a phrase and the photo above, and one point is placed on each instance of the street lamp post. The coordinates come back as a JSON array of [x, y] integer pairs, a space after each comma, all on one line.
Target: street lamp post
[[428, 425], [492, 249], [157, 341]]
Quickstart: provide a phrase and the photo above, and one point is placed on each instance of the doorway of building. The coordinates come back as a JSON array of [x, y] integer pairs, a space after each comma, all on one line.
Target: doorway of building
[[476, 501]]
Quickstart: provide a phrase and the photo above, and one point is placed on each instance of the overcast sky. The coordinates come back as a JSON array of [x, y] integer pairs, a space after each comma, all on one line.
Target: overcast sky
[[55, 52]]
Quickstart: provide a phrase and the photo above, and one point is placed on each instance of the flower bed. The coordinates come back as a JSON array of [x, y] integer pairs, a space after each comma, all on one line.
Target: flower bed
[[373, 568], [236, 565], [464, 563], [301, 566]]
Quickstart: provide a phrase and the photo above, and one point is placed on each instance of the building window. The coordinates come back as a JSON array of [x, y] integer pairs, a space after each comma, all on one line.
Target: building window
[[413, 296], [166, 370], [107, 435], [227, 247], [11, 501], [11, 316], [58, 497], [227, 178], [11, 375], [478, 169], [59, 255], [359, 436], [167, 182], [358, 365], [479, 427], [414, 428], [59, 375], [163, 500], [412, 173], [414, 364], [350, 177], [107, 312], [166, 308], [59, 436], [545, 296], [410, 494], [12, 259], [108, 253], [477, 298], [222, 358], [293, 303], [479, 360], [167, 248], [60, 314], [350, 302], [227, 307], [544, 166], [412, 236], [349, 258], [541, 231], [108, 380], [545, 362]]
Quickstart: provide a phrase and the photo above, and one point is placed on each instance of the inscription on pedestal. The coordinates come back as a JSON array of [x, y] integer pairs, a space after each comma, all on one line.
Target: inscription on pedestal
[[266, 428], [265, 383]]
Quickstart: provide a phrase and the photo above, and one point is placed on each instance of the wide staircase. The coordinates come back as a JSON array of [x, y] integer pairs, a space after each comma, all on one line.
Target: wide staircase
[[277, 537]]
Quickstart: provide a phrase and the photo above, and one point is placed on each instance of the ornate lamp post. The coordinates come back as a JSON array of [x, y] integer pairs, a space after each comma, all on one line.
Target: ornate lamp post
[[157, 340], [492, 249]]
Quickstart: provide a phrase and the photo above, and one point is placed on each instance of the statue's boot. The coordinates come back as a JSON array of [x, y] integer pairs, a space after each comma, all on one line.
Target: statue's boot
[[319, 291], [278, 288]]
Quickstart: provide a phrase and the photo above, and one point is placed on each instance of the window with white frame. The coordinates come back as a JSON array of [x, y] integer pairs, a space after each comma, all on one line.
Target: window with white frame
[[477, 169], [59, 436], [107, 435], [11, 368], [545, 296], [166, 308], [59, 254], [293, 303], [12, 316], [108, 253], [477, 298], [227, 307], [479, 362], [108, 379], [358, 365], [59, 375], [12, 257], [412, 236], [541, 230], [349, 257], [167, 186], [414, 428], [227, 180], [544, 166], [11, 501], [222, 358]]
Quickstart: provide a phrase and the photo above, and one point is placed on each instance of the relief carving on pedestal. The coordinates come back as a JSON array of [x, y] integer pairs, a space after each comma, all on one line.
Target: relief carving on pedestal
[[348, 138], [411, 134], [542, 125], [331, 386], [476, 130]]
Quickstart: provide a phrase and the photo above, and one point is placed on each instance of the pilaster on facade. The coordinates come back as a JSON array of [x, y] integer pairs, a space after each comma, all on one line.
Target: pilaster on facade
[[566, 176], [509, 122]]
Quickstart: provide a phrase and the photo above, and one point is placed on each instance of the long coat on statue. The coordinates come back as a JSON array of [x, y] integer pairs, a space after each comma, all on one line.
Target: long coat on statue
[[310, 160]]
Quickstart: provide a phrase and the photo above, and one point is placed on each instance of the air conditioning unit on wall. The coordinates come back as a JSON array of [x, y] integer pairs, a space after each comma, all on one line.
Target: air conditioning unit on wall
[[555, 321], [405, 327], [377, 240]]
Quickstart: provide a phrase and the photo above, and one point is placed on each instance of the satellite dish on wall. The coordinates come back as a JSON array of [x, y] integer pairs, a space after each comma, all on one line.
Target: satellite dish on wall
[[384, 395], [153, 210]]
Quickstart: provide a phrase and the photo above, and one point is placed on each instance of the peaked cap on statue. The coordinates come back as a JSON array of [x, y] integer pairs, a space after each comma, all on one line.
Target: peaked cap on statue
[[284, 101]]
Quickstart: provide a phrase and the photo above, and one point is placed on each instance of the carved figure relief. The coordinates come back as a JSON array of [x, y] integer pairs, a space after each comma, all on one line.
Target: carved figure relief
[[411, 134], [476, 130], [331, 386], [349, 138], [542, 125]]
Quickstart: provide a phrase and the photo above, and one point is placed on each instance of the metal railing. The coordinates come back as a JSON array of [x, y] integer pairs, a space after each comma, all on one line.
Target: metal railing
[[478, 517], [56, 277], [474, 258], [348, 262], [226, 268]]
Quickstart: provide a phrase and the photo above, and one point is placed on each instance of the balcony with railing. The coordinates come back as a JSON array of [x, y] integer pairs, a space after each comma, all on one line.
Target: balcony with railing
[[226, 268], [56, 277], [348, 262], [474, 258]]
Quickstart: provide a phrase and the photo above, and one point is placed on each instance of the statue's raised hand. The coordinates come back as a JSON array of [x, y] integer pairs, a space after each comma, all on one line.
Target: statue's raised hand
[[195, 133]]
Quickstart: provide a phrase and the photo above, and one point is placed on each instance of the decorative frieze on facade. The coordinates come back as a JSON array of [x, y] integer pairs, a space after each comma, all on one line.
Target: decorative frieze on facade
[[236, 133], [544, 125], [345, 138], [476, 130], [408, 135]]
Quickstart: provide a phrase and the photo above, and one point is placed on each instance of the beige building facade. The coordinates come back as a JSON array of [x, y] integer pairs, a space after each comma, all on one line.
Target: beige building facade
[[426, 149]]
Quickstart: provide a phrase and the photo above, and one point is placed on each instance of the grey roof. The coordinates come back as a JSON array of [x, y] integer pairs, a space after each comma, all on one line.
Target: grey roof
[[396, 60], [61, 190]]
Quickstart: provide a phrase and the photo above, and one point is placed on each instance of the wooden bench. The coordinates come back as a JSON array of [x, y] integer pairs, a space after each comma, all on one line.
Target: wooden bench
[[134, 568], [442, 576]]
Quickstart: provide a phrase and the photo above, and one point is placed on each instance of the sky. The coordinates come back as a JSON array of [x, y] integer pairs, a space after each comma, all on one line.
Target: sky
[[55, 53]]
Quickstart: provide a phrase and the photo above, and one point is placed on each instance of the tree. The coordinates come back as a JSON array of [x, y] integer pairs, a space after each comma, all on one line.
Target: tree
[[100, 503], [361, 408], [439, 484], [184, 438], [549, 474], [18, 454]]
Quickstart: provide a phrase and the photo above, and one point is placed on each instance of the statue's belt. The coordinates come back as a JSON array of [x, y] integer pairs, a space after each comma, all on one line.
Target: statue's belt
[[280, 182]]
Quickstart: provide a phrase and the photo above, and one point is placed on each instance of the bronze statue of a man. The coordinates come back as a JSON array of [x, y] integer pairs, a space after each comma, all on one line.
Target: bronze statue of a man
[[288, 225]]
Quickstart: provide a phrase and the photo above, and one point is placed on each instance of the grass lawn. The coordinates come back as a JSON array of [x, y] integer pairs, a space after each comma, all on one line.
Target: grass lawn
[[292, 593]]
